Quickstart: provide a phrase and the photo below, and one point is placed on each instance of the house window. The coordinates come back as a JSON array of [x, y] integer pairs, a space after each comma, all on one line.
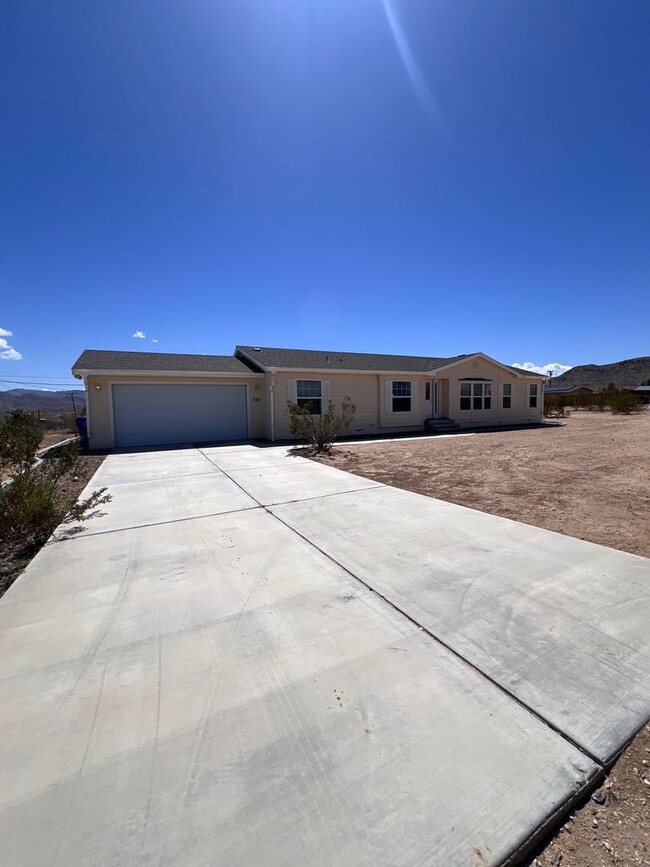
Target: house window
[[476, 395], [401, 396], [427, 391], [309, 394], [532, 395], [506, 395]]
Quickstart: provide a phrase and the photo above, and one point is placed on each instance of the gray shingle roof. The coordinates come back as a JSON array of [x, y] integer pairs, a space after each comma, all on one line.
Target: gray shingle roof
[[100, 359], [306, 359], [265, 357]]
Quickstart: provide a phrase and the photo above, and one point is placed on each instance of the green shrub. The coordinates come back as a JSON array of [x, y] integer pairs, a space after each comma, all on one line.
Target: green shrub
[[616, 401], [20, 437], [554, 405], [320, 431], [624, 402], [36, 498]]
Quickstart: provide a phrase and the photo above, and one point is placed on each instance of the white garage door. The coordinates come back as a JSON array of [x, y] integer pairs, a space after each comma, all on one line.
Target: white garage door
[[164, 414]]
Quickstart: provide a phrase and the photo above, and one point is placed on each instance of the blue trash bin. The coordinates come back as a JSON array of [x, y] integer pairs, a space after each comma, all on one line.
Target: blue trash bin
[[82, 427]]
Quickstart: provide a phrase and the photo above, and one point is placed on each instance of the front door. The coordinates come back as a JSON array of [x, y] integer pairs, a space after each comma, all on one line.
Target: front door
[[432, 399], [436, 399]]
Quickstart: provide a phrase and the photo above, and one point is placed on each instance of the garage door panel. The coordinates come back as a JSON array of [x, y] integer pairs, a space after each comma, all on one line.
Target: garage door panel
[[168, 414]]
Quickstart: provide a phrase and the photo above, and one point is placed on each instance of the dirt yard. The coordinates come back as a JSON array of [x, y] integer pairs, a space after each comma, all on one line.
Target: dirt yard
[[51, 438], [589, 478]]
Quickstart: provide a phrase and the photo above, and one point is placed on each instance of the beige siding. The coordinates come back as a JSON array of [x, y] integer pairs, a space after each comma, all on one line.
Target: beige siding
[[98, 402], [367, 391], [519, 413]]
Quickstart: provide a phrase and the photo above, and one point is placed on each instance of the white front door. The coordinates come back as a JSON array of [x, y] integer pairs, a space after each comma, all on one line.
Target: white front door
[[436, 399], [432, 399]]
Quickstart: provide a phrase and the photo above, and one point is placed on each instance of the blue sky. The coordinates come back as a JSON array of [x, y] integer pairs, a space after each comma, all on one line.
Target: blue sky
[[407, 176]]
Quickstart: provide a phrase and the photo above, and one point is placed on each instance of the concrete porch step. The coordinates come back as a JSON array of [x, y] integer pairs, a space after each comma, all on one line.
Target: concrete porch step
[[442, 425]]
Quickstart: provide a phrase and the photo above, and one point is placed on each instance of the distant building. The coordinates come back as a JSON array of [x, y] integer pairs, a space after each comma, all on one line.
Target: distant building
[[568, 389], [643, 391]]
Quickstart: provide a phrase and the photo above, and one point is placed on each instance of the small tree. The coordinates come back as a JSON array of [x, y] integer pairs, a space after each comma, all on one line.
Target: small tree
[[20, 437], [320, 431], [34, 501]]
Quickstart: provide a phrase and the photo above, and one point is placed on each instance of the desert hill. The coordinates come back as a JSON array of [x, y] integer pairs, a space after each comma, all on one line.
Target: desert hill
[[623, 374], [45, 401]]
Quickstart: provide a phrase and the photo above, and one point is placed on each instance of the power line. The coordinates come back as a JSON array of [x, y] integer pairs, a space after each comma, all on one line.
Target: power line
[[37, 376], [58, 385]]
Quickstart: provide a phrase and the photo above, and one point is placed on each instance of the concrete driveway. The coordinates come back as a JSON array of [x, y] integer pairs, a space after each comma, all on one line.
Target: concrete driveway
[[253, 659]]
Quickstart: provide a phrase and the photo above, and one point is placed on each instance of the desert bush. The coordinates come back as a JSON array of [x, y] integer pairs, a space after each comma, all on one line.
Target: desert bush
[[320, 431], [616, 401], [554, 405], [35, 500], [20, 437], [624, 402]]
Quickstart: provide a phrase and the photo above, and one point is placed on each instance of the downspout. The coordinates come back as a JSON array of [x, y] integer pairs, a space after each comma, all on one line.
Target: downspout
[[272, 408]]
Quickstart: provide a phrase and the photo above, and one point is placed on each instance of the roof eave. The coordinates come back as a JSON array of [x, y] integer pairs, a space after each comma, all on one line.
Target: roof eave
[[114, 371]]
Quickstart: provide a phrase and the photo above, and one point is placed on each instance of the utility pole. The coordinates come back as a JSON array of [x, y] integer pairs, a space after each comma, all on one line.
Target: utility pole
[[74, 408]]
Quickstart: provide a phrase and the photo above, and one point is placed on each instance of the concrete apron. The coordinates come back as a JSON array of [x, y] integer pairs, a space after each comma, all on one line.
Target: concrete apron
[[192, 681]]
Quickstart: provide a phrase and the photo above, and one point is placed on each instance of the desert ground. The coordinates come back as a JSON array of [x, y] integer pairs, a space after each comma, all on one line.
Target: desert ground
[[588, 477]]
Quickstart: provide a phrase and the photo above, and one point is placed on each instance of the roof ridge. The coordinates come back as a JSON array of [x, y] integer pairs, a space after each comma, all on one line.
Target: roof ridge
[[346, 352]]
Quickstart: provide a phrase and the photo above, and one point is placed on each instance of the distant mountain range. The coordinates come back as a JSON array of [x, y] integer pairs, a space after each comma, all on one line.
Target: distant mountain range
[[623, 374], [45, 401]]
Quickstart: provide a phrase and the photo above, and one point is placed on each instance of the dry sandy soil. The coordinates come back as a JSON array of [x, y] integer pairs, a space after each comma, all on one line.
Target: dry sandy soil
[[589, 478], [50, 438]]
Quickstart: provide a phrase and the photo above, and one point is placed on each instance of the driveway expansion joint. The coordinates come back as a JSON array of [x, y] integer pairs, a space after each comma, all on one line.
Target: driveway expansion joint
[[83, 535], [578, 746]]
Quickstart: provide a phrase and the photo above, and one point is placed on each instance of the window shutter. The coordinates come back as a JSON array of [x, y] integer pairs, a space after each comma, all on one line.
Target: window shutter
[[388, 390], [415, 395], [292, 390], [325, 393]]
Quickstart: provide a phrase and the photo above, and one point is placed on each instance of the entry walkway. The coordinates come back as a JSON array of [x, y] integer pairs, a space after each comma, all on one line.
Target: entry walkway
[[254, 659]]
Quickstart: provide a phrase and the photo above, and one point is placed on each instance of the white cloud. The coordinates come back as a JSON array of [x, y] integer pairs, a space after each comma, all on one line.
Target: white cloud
[[7, 352], [139, 334], [553, 367], [154, 340], [11, 354]]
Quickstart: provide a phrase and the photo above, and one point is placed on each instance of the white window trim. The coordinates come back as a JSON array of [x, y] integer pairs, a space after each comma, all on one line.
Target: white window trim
[[292, 392], [415, 388], [486, 393], [511, 395], [529, 395]]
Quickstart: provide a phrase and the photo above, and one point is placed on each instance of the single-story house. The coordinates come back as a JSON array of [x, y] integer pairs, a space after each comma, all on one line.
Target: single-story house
[[153, 398], [568, 389]]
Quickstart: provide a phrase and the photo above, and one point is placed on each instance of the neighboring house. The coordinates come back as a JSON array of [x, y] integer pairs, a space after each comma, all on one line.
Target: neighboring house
[[151, 398], [642, 391], [568, 389]]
